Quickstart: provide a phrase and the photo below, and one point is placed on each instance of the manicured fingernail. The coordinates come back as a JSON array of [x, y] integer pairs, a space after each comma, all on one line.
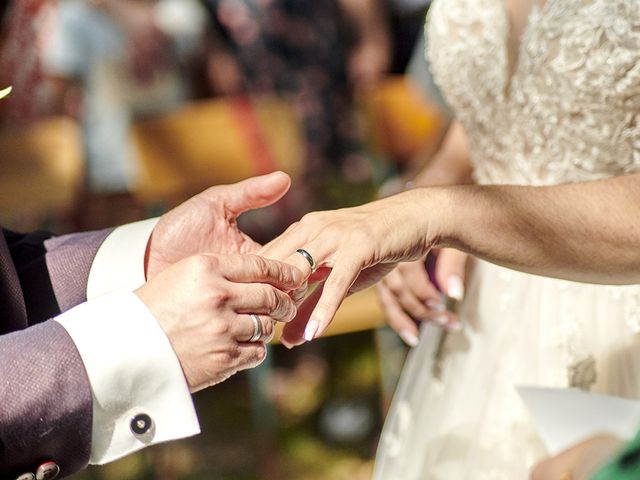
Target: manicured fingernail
[[409, 337], [441, 320], [310, 330], [435, 305], [455, 287], [286, 343], [454, 326]]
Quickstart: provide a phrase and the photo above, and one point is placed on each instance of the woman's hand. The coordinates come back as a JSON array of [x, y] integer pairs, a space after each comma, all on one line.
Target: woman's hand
[[578, 462], [408, 296], [353, 248]]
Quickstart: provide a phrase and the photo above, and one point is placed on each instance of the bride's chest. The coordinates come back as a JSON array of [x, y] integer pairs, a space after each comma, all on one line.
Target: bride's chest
[[506, 51]]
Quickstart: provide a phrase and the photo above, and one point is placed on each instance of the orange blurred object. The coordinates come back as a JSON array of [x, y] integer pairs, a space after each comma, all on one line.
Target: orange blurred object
[[400, 119], [41, 168], [214, 142]]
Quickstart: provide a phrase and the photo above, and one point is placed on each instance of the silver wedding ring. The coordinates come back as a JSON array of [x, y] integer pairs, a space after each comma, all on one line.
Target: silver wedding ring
[[308, 258], [257, 328]]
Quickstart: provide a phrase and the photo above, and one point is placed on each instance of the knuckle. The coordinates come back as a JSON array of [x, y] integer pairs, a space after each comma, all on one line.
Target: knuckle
[[395, 284], [310, 218], [285, 303], [285, 311], [232, 355], [219, 298], [298, 295], [260, 354], [333, 231], [201, 264], [292, 227], [360, 235], [221, 328], [260, 265], [272, 300], [291, 311], [195, 263], [267, 328], [285, 273]]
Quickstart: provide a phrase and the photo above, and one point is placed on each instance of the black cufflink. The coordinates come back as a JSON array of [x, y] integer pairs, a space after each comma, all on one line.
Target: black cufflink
[[141, 424]]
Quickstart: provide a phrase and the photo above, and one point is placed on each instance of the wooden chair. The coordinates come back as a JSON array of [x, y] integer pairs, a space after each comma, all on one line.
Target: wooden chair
[[215, 142], [41, 170]]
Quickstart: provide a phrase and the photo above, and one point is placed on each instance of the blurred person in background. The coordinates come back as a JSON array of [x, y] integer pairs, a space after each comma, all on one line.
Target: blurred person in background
[[316, 54], [26, 28], [110, 62]]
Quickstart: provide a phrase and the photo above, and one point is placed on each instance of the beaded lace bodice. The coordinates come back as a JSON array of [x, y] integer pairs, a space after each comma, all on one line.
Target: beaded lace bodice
[[567, 109]]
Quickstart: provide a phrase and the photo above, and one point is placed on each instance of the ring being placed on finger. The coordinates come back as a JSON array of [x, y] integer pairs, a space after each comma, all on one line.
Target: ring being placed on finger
[[257, 328], [307, 256]]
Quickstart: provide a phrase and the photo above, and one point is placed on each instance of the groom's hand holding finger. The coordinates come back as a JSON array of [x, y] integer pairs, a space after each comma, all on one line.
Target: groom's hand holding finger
[[204, 305]]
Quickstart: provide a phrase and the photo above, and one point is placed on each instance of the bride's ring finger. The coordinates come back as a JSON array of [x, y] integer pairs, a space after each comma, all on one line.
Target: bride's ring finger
[[307, 256]]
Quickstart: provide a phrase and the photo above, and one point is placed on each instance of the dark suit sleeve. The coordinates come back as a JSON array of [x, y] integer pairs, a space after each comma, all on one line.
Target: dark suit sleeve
[[45, 402], [45, 396], [53, 271]]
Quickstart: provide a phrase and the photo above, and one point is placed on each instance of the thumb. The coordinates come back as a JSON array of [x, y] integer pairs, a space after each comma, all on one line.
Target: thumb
[[255, 192], [451, 272]]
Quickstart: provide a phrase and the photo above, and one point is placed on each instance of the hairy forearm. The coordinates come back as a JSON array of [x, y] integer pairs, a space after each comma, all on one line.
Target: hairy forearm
[[586, 232]]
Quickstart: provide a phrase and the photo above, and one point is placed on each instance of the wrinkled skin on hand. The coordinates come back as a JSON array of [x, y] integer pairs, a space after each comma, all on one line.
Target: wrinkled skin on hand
[[207, 223]]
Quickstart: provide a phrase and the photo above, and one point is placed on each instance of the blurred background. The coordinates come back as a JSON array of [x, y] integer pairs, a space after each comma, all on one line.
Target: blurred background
[[121, 109]]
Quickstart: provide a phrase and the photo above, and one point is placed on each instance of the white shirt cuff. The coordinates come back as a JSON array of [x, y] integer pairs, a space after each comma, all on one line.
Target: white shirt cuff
[[133, 370], [119, 262]]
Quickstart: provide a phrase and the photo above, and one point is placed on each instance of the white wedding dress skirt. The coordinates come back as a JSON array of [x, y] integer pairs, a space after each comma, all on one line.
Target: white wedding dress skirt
[[556, 102], [462, 419]]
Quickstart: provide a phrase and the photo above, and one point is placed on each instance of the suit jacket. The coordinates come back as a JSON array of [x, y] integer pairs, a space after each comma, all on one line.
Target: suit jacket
[[45, 396]]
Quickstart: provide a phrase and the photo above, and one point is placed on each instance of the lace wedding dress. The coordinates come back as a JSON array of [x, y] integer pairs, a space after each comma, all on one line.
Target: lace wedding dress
[[547, 93]]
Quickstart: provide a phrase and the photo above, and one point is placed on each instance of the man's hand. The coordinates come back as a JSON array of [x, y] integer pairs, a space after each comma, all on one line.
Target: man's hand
[[203, 304], [207, 222]]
